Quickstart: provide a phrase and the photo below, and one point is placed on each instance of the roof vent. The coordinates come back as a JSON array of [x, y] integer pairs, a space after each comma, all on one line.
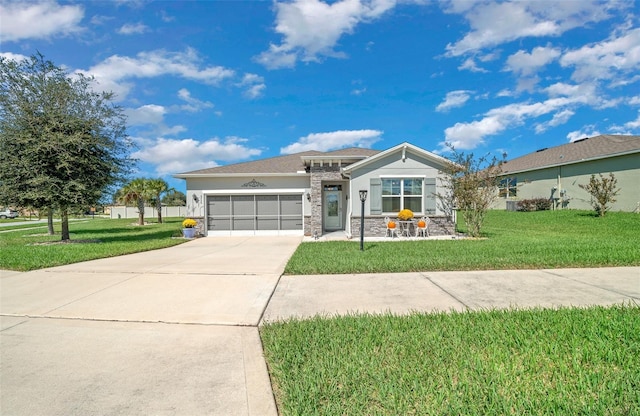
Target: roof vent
[[581, 140], [541, 150]]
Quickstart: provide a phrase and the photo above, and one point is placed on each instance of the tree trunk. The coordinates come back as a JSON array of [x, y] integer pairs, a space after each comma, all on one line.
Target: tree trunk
[[65, 224], [50, 221], [140, 211], [159, 207]]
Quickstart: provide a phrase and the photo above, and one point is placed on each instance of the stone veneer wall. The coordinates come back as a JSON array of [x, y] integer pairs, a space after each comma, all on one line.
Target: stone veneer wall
[[318, 175], [374, 226], [201, 227]]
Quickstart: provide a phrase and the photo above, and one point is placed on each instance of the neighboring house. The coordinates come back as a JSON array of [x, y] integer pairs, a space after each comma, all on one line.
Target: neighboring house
[[314, 192], [557, 172]]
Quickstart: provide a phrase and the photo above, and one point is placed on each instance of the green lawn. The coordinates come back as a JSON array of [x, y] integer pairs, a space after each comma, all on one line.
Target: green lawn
[[22, 247], [514, 240], [564, 362]]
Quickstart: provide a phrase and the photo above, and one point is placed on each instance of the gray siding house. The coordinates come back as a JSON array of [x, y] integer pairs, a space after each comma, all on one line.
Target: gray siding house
[[557, 172], [311, 193]]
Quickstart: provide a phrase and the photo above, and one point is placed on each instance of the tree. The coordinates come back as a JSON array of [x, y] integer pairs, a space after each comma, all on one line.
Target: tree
[[470, 185], [602, 191], [174, 198], [135, 192], [157, 188], [62, 145]]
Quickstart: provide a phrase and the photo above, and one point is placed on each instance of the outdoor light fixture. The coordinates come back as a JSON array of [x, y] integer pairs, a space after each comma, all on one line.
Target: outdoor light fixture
[[363, 197], [195, 198], [308, 197]]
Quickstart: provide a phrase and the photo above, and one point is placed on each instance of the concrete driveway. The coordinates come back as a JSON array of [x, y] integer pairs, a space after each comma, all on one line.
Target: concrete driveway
[[165, 332], [174, 331]]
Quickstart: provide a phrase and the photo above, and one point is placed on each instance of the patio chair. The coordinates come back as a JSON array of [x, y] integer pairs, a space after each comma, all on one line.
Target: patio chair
[[392, 227], [422, 227]]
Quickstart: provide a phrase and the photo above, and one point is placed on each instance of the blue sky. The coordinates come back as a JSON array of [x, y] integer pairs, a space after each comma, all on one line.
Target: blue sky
[[207, 83]]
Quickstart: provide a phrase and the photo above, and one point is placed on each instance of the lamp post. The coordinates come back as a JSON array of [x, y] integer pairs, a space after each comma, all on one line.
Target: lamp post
[[363, 197]]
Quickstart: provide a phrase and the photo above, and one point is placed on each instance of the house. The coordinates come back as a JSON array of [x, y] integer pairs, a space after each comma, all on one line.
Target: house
[[557, 172], [311, 193]]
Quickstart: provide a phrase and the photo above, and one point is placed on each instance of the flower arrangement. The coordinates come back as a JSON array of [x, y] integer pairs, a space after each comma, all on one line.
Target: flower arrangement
[[405, 214], [189, 223]]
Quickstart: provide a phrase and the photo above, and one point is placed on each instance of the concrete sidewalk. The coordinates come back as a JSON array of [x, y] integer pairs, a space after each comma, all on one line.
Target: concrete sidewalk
[[175, 331], [330, 295]]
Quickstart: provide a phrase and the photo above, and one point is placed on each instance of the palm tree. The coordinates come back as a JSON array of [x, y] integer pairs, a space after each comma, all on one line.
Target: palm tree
[[157, 187], [136, 191]]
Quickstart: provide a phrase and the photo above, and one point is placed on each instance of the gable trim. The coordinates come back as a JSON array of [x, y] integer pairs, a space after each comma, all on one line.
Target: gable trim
[[403, 147]]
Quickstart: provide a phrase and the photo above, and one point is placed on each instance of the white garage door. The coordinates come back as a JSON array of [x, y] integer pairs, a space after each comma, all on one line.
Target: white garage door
[[254, 214]]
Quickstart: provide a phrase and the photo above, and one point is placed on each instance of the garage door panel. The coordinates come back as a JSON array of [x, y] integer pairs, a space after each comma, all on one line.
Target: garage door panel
[[290, 205], [219, 205], [253, 213], [243, 224], [219, 224], [267, 223]]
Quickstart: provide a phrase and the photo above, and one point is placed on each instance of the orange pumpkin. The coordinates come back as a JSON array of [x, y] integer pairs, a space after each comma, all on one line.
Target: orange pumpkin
[[422, 224], [391, 224]]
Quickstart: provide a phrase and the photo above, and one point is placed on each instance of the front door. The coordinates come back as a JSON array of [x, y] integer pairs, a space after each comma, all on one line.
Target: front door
[[333, 208]]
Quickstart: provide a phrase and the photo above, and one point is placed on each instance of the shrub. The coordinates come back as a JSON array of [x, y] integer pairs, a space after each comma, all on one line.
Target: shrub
[[534, 204], [602, 191]]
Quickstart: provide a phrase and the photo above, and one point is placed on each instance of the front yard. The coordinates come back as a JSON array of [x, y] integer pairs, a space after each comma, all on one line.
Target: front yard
[[543, 361], [514, 240]]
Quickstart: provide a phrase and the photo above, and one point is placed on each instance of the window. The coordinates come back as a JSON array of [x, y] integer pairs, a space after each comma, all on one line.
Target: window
[[508, 187], [399, 194]]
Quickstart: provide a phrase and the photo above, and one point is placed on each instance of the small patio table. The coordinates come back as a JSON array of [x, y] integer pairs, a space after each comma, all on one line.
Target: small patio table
[[407, 226]]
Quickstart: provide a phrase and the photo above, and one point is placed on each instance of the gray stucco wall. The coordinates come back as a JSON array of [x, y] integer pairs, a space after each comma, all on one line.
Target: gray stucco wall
[[198, 187], [392, 165], [540, 183]]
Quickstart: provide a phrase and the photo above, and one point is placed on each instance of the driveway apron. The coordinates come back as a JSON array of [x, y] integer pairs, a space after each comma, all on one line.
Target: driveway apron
[[164, 332]]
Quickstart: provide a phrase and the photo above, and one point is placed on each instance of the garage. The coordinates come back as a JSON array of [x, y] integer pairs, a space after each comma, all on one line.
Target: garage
[[255, 214]]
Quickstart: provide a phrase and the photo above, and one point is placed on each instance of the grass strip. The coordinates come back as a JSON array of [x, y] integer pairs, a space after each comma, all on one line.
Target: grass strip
[[513, 240], [30, 248], [538, 361]]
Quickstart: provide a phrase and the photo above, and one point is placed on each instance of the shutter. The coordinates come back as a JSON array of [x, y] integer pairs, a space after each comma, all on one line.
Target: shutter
[[430, 196], [375, 197]]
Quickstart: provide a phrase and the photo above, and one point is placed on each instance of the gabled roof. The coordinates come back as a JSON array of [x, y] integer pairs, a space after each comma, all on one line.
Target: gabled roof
[[599, 147], [292, 164], [403, 147]]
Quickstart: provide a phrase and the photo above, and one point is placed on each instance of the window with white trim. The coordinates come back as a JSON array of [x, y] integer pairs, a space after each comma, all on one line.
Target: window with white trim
[[402, 193]]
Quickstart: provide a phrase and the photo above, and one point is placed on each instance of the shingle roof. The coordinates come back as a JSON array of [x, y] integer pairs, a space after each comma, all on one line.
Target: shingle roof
[[597, 147], [286, 164]]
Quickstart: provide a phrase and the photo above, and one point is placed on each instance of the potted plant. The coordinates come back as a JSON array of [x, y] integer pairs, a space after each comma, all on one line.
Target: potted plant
[[189, 228]]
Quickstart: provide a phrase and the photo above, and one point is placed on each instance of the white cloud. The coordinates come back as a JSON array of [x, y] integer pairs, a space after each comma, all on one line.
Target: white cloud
[[147, 114], [254, 85], [559, 118], [563, 98], [470, 65], [333, 140], [634, 124], [526, 64], [181, 155], [38, 20], [634, 100], [587, 131], [192, 105], [13, 56], [611, 59], [312, 28], [133, 29], [113, 73], [526, 18], [453, 99]]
